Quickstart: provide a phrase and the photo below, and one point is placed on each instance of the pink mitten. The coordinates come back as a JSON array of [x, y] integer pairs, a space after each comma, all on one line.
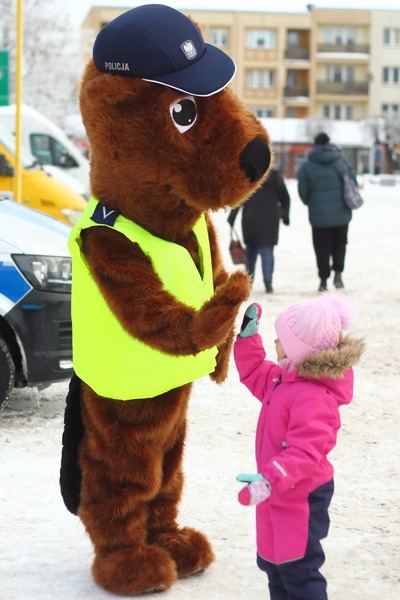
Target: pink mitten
[[254, 493]]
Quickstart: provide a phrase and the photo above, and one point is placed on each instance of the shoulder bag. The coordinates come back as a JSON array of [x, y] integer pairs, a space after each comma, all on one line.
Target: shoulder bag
[[237, 252], [351, 194]]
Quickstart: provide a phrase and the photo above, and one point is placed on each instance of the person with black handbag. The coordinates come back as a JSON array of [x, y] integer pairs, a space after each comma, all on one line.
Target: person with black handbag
[[261, 215]]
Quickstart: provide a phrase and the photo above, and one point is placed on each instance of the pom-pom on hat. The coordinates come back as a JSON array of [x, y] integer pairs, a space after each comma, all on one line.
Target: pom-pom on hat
[[160, 44], [313, 326]]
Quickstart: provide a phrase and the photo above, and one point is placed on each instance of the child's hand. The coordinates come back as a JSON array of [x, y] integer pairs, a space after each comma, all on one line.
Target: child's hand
[[257, 490], [251, 320]]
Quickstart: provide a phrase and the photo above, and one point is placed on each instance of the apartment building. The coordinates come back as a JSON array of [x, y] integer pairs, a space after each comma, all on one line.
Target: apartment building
[[325, 64]]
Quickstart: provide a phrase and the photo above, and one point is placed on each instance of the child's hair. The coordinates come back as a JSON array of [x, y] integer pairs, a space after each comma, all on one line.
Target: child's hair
[[313, 326]]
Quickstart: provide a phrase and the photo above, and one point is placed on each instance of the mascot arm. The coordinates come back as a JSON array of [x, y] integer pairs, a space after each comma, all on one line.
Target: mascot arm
[[135, 294], [220, 277]]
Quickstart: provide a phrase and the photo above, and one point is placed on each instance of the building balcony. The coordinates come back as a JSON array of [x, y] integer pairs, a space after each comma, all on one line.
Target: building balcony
[[350, 47], [297, 54], [344, 88], [296, 90]]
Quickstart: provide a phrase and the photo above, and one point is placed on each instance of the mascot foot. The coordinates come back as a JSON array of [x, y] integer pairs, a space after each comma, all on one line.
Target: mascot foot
[[134, 571], [189, 548]]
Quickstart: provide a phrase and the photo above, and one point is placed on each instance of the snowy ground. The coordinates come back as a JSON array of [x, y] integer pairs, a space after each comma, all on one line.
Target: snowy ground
[[44, 551]]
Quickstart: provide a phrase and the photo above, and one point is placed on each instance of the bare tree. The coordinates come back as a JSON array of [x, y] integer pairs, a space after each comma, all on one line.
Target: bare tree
[[50, 64], [314, 126], [386, 133]]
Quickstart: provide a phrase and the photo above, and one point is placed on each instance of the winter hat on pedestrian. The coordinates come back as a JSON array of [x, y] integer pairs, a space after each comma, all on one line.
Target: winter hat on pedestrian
[[313, 326], [162, 45], [322, 139]]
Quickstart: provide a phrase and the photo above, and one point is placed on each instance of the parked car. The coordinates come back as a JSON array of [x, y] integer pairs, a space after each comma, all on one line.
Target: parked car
[[35, 299], [40, 190]]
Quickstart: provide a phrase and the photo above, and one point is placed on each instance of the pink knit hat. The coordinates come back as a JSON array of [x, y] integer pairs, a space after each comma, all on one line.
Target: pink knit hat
[[313, 326]]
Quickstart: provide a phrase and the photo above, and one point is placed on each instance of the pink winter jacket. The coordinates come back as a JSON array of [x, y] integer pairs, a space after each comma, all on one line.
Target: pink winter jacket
[[297, 428]]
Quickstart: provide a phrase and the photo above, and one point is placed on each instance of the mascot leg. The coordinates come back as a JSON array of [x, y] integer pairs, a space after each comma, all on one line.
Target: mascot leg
[[131, 458], [189, 548]]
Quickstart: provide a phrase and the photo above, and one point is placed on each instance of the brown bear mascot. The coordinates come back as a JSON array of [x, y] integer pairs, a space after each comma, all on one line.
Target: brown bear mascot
[[153, 308]]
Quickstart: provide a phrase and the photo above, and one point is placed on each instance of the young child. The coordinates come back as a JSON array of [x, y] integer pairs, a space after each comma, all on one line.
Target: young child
[[297, 428]]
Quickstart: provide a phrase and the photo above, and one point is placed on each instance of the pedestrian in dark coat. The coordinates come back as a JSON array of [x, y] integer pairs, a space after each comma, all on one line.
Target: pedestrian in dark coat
[[261, 215], [320, 187]]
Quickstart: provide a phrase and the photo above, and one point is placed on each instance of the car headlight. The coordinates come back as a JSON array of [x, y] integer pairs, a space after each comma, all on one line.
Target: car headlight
[[71, 215], [50, 273]]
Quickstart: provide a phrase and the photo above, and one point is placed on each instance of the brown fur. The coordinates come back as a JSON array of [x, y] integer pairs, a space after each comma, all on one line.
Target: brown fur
[[333, 363], [131, 454]]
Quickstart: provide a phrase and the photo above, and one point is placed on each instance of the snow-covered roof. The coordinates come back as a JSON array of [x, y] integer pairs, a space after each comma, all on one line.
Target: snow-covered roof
[[344, 55], [349, 134]]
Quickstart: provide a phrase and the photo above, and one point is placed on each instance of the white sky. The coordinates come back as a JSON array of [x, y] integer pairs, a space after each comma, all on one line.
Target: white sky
[[78, 9]]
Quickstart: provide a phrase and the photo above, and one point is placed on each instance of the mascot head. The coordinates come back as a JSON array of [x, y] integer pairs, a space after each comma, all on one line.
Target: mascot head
[[167, 136]]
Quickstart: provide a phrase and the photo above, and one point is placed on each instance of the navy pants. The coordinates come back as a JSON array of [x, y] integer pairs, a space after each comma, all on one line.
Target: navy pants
[[330, 244], [267, 261], [301, 579]]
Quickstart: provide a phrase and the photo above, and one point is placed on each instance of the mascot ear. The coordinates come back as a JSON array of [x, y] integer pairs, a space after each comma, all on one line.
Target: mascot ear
[[97, 88]]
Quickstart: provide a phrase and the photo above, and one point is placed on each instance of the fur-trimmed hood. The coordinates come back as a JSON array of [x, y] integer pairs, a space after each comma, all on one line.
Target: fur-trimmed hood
[[332, 363]]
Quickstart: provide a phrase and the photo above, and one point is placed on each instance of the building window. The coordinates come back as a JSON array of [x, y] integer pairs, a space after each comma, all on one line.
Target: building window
[[348, 109], [391, 36], [391, 110], [291, 79], [260, 78], [261, 38], [291, 113], [263, 112], [339, 36], [391, 75], [293, 40], [219, 36], [338, 111], [339, 74]]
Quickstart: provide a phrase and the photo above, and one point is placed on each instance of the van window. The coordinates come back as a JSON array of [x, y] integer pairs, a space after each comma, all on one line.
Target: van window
[[8, 141], [49, 151]]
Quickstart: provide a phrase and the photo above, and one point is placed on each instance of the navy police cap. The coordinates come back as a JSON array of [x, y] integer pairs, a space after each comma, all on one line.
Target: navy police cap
[[160, 44]]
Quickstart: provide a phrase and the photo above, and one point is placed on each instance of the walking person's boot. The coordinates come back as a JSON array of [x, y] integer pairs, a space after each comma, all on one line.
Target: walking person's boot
[[337, 281], [323, 286]]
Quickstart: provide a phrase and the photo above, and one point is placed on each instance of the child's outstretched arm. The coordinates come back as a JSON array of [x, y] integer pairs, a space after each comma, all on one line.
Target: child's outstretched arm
[[249, 353]]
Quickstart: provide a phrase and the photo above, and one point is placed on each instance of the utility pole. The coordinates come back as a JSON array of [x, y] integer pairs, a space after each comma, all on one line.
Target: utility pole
[[18, 99]]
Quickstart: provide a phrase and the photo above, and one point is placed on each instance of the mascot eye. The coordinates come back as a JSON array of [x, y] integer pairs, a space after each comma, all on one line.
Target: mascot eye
[[184, 113]]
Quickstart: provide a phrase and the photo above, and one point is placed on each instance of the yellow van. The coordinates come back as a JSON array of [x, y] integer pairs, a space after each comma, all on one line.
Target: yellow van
[[39, 189]]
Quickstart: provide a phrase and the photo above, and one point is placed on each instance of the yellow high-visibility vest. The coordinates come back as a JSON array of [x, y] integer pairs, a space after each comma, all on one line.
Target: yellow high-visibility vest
[[105, 356]]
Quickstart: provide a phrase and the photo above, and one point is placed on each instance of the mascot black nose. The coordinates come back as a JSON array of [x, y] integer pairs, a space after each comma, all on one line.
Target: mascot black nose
[[255, 159]]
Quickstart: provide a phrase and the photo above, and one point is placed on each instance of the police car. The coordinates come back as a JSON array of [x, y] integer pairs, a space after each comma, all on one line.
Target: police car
[[35, 299]]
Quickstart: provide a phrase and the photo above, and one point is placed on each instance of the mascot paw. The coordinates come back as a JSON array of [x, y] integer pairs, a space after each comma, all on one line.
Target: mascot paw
[[215, 320], [237, 288], [190, 550], [135, 571]]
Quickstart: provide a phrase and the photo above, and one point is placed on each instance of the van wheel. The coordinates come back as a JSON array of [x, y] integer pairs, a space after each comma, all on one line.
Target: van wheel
[[7, 373]]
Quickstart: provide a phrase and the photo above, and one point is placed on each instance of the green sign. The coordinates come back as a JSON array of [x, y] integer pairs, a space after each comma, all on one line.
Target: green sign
[[4, 88]]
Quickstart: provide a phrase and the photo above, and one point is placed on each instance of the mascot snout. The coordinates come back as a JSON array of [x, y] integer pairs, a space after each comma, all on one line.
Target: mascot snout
[[255, 159]]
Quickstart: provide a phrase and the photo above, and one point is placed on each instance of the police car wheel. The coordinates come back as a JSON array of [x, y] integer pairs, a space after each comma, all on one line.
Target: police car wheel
[[7, 373]]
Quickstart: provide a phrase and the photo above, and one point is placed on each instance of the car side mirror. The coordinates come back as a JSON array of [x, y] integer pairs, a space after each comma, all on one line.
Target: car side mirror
[[66, 161], [6, 170]]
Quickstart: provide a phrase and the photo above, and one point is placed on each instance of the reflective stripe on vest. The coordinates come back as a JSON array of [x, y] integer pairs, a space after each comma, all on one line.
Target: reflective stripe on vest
[[111, 361]]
